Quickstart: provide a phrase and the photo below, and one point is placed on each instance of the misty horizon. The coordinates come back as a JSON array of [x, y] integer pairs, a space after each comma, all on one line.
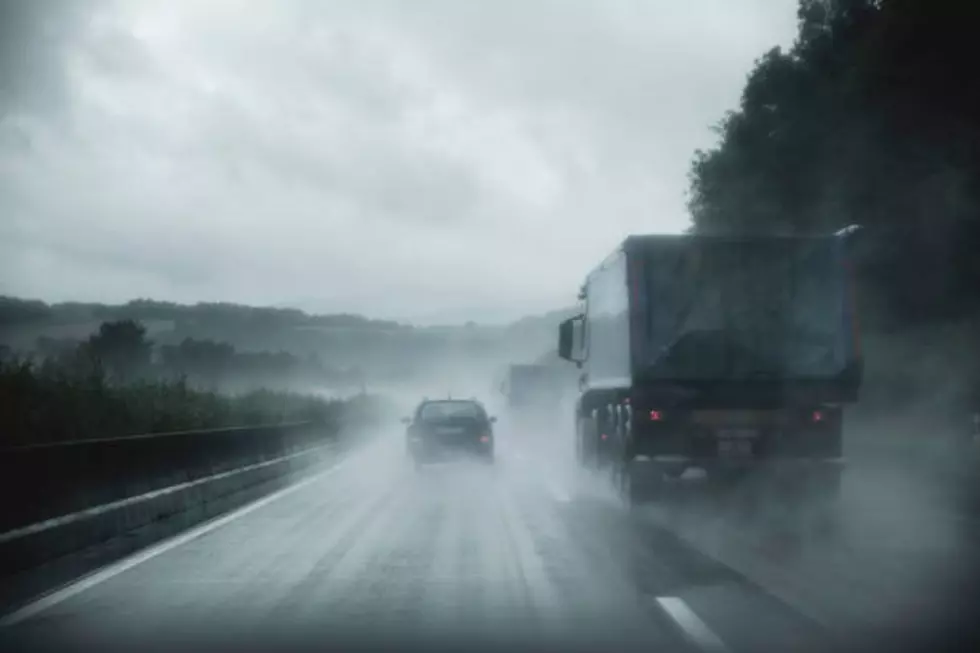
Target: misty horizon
[[312, 309]]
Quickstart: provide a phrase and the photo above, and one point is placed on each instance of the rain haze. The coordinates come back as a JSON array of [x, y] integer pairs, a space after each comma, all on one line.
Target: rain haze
[[432, 162], [543, 325]]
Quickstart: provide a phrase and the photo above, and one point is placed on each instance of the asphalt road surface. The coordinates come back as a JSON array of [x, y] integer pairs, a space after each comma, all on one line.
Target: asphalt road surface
[[518, 556]]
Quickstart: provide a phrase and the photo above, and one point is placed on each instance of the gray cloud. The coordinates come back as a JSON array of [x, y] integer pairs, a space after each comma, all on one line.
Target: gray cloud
[[400, 159], [34, 40]]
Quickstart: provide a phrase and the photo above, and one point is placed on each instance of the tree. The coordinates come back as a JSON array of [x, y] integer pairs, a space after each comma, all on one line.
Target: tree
[[865, 120], [48, 347], [204, 361], [122, 349], [19, 312]]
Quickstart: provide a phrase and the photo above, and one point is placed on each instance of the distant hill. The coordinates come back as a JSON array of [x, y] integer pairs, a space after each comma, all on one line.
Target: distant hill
[[380, 347]]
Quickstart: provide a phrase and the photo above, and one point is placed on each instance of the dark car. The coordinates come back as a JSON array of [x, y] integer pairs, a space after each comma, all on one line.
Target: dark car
[[448, 428]]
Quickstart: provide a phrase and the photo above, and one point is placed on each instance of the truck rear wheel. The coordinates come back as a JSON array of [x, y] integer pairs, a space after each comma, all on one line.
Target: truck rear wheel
[[638, 484]]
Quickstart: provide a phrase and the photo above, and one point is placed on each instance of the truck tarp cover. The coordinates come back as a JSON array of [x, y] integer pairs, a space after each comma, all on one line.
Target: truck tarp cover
[[747, 309]]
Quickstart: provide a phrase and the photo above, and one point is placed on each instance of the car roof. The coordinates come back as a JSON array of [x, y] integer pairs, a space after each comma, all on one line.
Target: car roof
[[470, 402], [452, 400]]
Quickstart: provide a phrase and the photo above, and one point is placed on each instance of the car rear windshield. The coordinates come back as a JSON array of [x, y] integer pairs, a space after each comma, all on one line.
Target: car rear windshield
[[448, 410]]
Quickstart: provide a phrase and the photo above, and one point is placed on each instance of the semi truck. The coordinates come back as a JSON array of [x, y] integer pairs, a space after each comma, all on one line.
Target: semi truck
[[732, 354]]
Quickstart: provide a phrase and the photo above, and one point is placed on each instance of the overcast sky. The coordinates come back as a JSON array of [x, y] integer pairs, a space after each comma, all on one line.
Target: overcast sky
[[426, 160]]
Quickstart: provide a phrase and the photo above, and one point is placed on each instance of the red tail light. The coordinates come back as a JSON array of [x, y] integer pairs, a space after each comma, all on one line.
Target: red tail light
[[604, 436], [656, 416], [817, 416], [484, 438]]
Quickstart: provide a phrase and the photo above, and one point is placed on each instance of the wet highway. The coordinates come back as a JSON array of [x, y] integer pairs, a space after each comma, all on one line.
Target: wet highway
[[523, 554]]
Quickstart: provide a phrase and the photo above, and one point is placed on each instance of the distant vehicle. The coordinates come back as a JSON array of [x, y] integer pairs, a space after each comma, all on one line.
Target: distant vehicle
[[447, 428], [531, 387], [730, 354]]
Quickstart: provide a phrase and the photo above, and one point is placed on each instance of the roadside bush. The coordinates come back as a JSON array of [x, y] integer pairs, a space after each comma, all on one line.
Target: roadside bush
[[73, 400]]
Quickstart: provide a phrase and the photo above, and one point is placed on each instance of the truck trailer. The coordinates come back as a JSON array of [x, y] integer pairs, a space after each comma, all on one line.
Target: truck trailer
[[732, 354]]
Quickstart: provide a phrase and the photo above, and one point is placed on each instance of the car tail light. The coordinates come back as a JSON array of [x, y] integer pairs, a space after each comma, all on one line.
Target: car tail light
[[484, 438], [604, 436], [817, 416], [656, 416]]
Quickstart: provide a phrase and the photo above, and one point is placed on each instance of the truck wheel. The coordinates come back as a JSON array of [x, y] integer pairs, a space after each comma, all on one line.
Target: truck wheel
[[605, 447], [638, 486]]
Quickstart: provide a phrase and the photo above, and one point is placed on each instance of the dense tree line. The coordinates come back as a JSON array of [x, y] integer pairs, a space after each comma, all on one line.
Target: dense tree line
[[121, 352], [220, 315], [218, 365], [114, 384], [322, 349], [871, 118], [43, 403]]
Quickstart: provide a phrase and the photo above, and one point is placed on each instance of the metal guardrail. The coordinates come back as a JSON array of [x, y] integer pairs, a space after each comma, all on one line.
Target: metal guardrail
[[60, 500], [146, 436], [67, 508], [95, 511], [44, 481]]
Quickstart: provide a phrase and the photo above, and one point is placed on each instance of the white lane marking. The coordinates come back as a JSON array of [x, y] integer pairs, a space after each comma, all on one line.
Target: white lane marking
[[546, 599], [87, 513], [116, 568], [695, 629]]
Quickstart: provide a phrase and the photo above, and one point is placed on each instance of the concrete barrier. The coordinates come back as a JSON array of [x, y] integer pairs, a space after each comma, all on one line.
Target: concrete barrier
[[45, 481], [62, 499]]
